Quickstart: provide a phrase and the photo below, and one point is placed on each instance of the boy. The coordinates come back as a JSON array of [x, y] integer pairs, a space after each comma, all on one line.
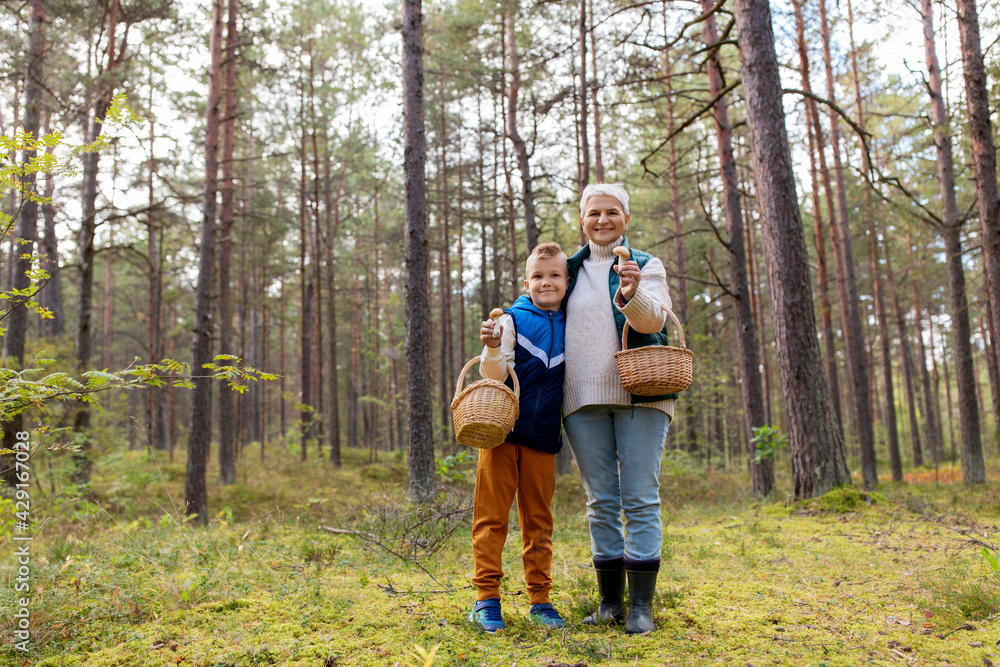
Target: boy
[[532, 335]]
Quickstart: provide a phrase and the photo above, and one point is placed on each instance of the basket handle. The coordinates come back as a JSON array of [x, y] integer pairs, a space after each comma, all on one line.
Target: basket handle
[[471, 363], [673, 318]]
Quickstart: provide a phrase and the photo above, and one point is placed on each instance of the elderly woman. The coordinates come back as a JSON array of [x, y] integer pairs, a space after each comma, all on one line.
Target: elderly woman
[[616, 437]]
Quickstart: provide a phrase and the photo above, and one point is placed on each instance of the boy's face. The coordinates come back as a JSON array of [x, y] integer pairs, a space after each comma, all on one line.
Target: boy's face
[[547, 280]]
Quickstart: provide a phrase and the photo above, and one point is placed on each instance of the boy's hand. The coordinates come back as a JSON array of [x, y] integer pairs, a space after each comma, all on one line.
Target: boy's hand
[[486, 334], [630, 278]]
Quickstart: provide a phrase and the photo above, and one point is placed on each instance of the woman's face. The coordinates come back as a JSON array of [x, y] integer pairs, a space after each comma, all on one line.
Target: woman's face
[[604, 220]]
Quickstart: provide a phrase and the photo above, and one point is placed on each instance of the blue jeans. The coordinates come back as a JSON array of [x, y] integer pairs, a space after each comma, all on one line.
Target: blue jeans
[[618, 450]]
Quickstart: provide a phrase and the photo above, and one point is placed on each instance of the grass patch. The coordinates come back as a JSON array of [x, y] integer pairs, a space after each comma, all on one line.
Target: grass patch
[[120, 579]]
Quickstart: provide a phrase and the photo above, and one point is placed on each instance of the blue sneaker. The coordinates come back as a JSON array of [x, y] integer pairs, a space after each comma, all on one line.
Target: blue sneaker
[[487, 614], [545, 614]]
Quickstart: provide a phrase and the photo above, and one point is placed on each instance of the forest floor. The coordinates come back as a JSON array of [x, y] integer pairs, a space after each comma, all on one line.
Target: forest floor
[[118, 578]]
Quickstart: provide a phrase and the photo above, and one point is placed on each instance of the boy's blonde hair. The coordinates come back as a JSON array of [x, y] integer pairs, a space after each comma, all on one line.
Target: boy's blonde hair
[[544, 251]]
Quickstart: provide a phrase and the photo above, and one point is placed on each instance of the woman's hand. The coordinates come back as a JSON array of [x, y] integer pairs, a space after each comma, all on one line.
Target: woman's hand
[[630, 278], [486, 334]]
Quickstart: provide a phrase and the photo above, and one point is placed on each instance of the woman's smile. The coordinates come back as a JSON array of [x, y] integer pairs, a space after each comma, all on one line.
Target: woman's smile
[[604, 220]]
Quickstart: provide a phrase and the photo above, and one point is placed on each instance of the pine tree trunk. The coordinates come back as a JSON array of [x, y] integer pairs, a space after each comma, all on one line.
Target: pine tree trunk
[[333, 228], [376, 313], [155, 426], [256, 356], [316, 256], [930, 432], [908, 365], [818, 458], [987, 197], [988, 200], [200, 431], [420, 431], [681, 305], [680, 254], [108, 303], [951, 421], [447, 339], [85, 290], [13, 200], [598, 161], [520, 148], [227, 446], [486, 304], [991, 361], [282, 418], [305, 291], [513, 263], [817, 152], [892, 431], [973, 471], [762, 474], [51, 295], [756, 306], [354, 397], [584, 141], [857, 361], [27, 229], [936, 381]]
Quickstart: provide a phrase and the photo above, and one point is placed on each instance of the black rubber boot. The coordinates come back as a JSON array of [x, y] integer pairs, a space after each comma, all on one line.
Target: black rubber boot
[[641, 587], [611, 586]]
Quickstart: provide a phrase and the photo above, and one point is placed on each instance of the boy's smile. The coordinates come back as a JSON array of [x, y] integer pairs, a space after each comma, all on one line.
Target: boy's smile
[[546, 281]]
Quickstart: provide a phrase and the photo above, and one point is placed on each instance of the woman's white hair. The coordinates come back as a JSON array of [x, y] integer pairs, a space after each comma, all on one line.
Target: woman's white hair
[[616, 190]]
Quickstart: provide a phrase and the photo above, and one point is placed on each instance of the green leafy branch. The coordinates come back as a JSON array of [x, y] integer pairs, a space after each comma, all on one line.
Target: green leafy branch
[[766, 441], [29, 388]]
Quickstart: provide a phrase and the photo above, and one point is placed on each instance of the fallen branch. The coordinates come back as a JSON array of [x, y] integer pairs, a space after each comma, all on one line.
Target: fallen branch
[[964, 626]]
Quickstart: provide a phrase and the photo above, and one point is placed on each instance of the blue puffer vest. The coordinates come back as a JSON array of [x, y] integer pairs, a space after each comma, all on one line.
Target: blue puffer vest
[[635, 339], [540, 366]]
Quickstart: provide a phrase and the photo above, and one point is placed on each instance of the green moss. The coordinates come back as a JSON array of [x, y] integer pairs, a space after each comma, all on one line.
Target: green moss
[[844, 499], [834, 581]]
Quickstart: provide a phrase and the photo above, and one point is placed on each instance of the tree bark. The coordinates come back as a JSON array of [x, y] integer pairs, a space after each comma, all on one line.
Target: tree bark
[[598, 160], [447, 339], [155, 427], [200, 431], [51, 296], [983, 162], [991, 361], [965, 378], [584, 141], [762, 474], [108, 305], [27, 227], [908, 365], [892, 432], [933, 446], [857, 359], [680, 254], [818, 153], [333, 228], [420, 443], [227, 446], [520, 147], [88, 194], [818, 457], [305, 291], [988, 200]]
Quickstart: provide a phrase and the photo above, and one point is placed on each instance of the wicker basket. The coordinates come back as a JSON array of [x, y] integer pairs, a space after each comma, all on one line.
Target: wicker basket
[[655, 369], [485, 411]]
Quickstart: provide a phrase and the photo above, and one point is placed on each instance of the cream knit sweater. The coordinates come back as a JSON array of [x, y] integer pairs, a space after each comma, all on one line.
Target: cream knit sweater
[[591, 336]]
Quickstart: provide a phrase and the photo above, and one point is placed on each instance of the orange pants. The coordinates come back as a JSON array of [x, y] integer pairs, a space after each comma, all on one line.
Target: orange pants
[[503, 471]]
